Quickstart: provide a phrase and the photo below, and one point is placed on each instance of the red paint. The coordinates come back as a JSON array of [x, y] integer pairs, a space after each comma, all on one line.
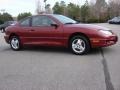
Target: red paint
[[51, 36]]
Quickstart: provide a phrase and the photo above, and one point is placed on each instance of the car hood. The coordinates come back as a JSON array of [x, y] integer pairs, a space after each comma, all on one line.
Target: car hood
[[88, 26]]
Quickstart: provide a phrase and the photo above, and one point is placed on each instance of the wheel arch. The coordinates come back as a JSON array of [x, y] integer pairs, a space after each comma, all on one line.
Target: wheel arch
[[81, 34], [13, 34]]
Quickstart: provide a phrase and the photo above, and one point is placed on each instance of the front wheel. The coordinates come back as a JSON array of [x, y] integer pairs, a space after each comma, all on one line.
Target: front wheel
[[2, 30], [15, 43], [79, 45]]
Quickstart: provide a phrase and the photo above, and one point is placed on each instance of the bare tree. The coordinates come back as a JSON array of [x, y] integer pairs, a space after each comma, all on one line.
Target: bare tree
[[48, 9], [100, 7], [114, 8], [39, 8], [2, 10]]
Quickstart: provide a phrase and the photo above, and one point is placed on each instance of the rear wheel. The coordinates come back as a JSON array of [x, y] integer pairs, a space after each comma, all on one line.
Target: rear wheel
[[79, 45], [15, 43]]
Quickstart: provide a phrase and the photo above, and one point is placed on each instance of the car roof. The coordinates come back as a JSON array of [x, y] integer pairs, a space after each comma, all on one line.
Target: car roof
[[44, 15], [39, 15]]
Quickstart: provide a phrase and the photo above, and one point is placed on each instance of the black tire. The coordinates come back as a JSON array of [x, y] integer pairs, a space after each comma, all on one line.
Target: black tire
[[18, 43], [84, 42]]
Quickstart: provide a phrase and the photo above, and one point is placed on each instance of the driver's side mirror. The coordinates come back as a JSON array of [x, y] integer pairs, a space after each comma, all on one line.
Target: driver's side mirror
[[54, 25]]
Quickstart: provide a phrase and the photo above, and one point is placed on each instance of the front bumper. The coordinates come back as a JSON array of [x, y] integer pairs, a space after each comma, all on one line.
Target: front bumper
[[97, 42]]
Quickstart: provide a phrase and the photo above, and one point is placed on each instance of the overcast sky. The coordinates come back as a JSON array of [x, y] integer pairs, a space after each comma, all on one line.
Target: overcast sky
[[14, 7]]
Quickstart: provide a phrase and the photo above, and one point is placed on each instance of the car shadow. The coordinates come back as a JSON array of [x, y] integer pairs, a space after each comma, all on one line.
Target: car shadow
[[53, 50], [94, 51], [45, 49], [108, 50], [62, 50]]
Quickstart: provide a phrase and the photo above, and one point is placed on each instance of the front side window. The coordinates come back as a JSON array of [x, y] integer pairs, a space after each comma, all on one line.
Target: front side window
[[25, 22], [42, 21]]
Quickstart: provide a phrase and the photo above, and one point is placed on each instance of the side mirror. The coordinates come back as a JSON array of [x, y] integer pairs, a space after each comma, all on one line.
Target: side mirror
[[54, 25]]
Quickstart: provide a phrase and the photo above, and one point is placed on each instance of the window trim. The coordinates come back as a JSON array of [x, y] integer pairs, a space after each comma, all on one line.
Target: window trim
[[24, 20], [42, 25]]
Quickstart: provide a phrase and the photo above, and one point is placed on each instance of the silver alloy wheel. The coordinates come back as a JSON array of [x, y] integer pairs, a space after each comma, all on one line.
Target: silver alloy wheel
[[78, 45], [15, 43]]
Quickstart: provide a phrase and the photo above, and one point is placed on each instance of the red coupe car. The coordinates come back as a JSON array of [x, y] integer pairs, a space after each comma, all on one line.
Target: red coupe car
[[58, 30]]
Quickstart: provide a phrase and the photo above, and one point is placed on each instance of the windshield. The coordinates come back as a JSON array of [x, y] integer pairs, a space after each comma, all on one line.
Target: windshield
[[64, 19]]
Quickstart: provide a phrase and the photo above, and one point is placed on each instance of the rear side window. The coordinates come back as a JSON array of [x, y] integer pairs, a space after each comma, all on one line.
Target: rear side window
[[25, 22]]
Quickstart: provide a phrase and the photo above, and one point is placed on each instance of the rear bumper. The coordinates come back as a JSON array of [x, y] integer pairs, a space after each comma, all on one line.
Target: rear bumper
[[111, 40]]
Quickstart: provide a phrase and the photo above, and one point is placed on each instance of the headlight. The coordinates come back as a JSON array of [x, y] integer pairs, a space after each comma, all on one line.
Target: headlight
[[106, 32]]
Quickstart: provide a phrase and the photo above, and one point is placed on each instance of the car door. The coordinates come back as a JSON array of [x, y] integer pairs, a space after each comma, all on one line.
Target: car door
[[24, 30], [44, 32]]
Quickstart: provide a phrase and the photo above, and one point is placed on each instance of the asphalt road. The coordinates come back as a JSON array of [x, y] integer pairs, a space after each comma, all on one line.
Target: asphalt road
[[38, 68]]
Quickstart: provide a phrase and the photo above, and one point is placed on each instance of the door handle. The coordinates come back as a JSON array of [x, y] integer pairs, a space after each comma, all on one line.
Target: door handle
[[32, 30]]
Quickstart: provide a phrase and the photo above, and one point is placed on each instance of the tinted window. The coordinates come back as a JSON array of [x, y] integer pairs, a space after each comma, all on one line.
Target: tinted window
[[64, 19], [25, 22], [42, 21]]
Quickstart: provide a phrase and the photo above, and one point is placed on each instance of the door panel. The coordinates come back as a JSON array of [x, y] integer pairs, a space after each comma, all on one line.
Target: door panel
[[43, 33], [24, 30], [47, 35]]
